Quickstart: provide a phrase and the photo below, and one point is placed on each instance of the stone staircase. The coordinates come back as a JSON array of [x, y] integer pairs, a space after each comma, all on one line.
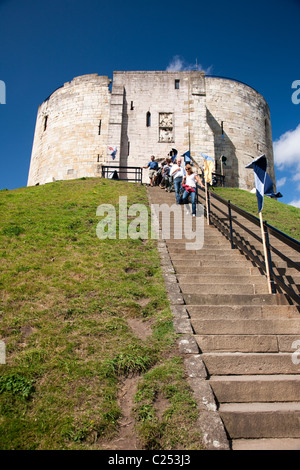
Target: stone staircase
[[246, 339]]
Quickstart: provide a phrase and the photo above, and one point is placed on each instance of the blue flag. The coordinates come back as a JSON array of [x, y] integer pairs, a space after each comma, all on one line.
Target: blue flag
[[187, 157], [263, 182]]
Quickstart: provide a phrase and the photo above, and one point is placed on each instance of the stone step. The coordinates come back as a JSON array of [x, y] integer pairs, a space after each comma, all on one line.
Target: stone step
[[218, 279], [249, 363], [261, 420], [256, 388], [207, 246], [235, 299], [186, 254], [223, 312], [207, 263], [172, 249], [265, 444], [223, 288], [265, 326], [184, 268], [257, 343]]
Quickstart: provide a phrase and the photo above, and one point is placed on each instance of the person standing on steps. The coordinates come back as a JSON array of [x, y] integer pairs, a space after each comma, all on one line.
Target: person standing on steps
[[178, 172], [153, 167], [189, 183]]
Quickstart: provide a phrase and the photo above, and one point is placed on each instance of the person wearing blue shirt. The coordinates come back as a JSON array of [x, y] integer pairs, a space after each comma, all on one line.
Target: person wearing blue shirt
[[153, 167]]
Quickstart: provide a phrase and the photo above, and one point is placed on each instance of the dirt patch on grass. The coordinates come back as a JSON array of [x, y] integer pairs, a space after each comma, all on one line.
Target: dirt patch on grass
[[161, 404], [141, 328], [127, 438], [143, 302]]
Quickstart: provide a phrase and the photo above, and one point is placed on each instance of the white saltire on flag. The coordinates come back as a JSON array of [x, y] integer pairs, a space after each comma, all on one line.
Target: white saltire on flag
[[263, 182]]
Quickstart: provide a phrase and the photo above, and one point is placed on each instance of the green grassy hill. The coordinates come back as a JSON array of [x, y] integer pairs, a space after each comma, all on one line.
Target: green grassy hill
[[282, 216], [67, 299], [67, 304]]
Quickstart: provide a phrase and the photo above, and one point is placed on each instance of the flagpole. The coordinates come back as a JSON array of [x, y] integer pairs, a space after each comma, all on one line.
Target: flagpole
[[265, 252], [207, 206]]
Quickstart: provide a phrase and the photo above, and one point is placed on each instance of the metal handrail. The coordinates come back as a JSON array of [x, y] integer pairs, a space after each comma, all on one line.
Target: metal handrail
[[226, 227], [135, 170]]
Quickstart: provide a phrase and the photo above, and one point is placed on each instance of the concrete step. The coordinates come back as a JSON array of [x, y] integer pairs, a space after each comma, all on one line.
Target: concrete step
[[235, 299], [256, 388], [223, 288], [227, 363], [261, 420], [266, 444], [246, 343], [265, 326], [223, 312]]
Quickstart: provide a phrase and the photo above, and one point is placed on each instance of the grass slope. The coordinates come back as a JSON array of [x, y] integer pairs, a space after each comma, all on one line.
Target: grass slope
[[282, 216], [66, 297]]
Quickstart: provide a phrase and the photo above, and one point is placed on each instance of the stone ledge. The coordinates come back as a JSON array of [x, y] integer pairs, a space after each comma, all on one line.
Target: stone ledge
[[212, 430]]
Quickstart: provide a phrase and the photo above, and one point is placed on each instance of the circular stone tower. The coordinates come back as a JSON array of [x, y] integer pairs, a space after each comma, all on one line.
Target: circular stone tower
[[71, 133]]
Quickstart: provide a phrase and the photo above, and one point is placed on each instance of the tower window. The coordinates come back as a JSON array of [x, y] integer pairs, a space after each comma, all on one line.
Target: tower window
[[148, 119], [45, 122], [99, 128], [177, 84], [131, 106]]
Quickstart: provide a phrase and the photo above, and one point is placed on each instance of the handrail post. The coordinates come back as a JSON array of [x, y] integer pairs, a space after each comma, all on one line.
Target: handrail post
[[230, 224], [207, 204], [267, 255], [272, 284]]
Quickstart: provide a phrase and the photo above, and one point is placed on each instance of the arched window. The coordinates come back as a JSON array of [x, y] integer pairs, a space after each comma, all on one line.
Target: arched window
[[148, 119]]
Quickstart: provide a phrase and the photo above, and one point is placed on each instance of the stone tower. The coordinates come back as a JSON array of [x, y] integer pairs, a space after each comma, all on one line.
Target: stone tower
[[147, 113]]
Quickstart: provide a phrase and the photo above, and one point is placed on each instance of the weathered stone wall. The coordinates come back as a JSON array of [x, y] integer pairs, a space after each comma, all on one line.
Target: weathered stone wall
[[244, 117], [159, 116], [149, 113], [67, 143]]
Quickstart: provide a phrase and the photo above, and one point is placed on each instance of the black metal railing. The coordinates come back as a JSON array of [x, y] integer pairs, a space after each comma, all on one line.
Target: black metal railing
[[218, 179], [247, 237], [123, 173]]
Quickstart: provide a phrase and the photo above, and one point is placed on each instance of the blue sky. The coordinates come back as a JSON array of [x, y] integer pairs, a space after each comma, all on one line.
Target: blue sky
[[45, 44]]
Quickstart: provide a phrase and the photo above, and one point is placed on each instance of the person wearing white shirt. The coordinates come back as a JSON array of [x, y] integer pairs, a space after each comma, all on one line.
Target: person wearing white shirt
[[189, 183], [178, 172]]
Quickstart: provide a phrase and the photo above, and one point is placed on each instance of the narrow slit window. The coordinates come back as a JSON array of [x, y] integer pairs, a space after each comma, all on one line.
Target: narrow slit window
[[177, 82], [99, 128], [45, 122], [128, 149], [131, 106], [148, 119]]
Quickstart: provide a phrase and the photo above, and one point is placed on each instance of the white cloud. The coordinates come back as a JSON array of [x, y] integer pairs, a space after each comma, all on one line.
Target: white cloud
[[287, 150], [295, 203], [281, 182], [178, 64]]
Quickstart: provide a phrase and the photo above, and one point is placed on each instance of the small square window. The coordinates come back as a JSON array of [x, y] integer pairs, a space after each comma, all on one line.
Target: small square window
[[177, 84]]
